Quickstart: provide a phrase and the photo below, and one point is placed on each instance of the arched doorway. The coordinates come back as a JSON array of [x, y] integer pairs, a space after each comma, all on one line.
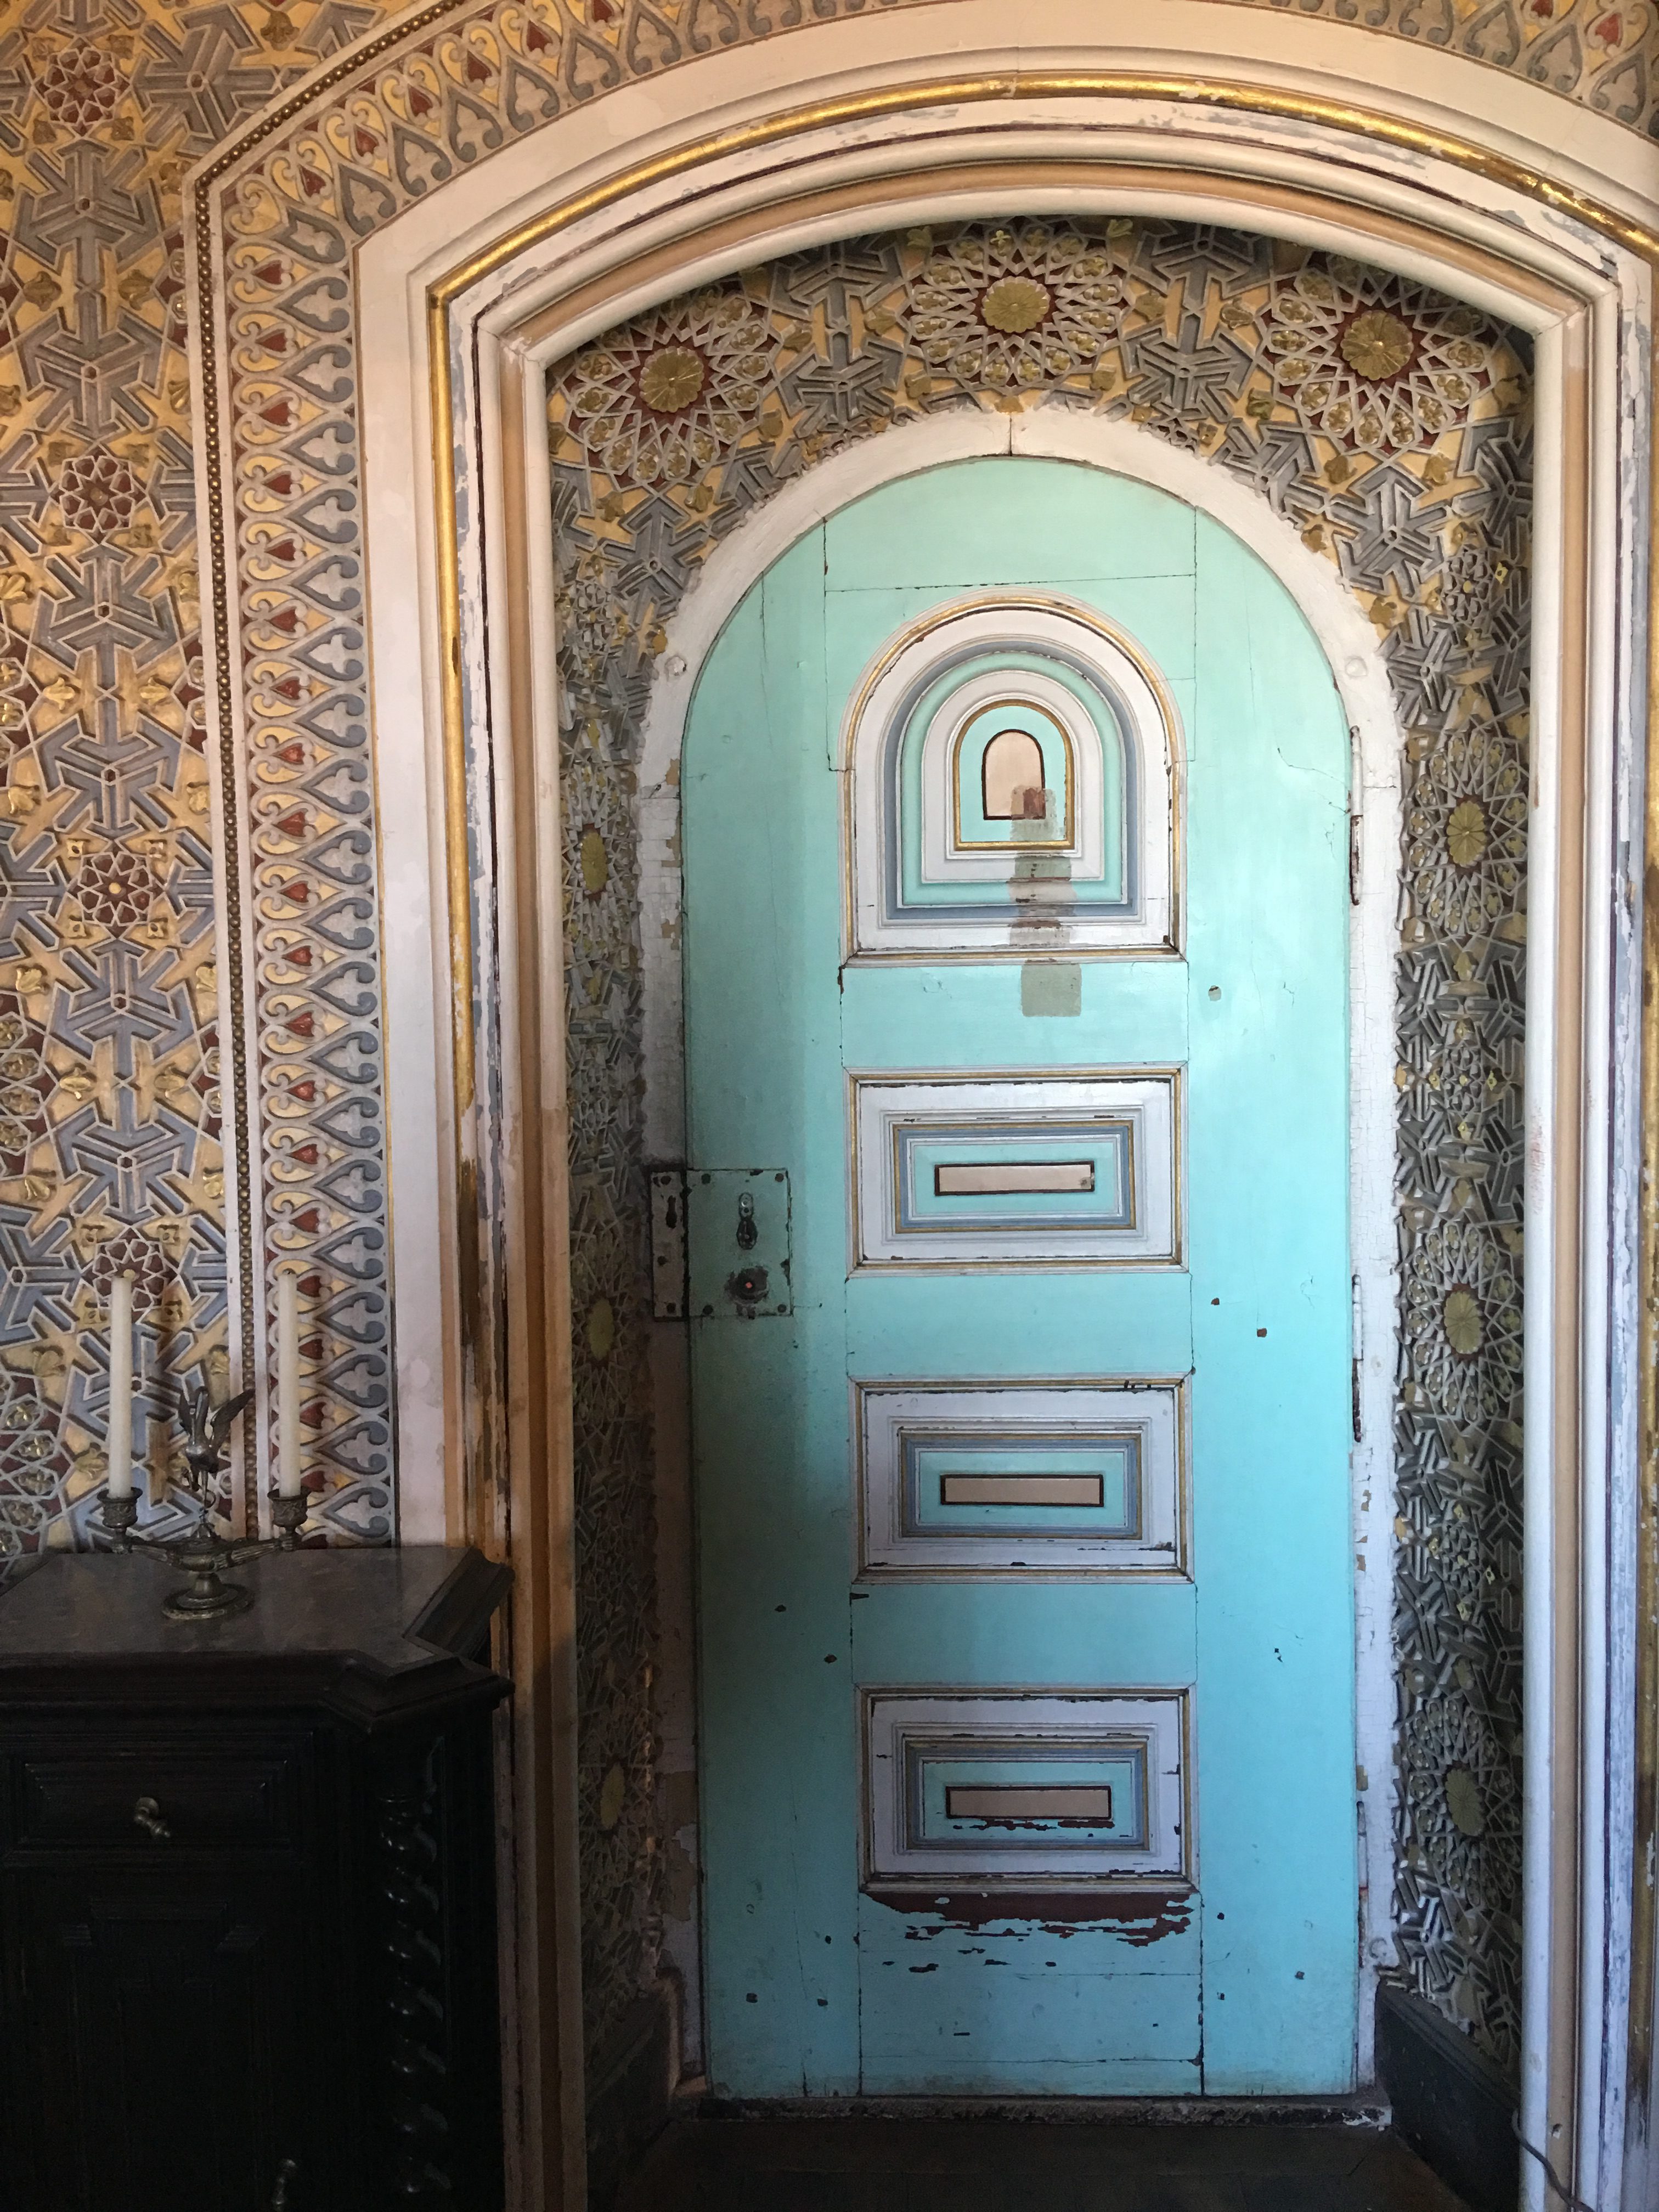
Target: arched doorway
[[543, 301], [1021, 1306]]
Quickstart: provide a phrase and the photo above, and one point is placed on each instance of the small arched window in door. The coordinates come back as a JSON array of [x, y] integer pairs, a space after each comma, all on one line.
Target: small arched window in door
[[1011, 778]]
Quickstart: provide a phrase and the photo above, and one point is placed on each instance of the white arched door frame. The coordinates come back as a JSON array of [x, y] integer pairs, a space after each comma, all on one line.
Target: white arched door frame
[[1349, 642], [463, 300]]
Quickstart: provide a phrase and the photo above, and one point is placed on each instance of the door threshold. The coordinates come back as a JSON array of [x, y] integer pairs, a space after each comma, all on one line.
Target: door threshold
[[1365, 2109]]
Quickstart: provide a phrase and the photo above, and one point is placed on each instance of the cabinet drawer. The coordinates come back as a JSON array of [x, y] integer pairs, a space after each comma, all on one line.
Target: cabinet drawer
[[154, 1803]]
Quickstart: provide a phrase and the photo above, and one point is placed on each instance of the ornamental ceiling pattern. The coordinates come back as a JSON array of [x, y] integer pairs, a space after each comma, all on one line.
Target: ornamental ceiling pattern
[[110, 998], [1390, 425]]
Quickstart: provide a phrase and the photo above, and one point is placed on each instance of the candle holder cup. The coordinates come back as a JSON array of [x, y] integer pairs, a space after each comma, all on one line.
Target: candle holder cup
[[203, 1554]]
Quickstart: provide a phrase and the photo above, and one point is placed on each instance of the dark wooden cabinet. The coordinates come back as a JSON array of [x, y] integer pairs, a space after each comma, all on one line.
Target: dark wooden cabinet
[[247, 1921]]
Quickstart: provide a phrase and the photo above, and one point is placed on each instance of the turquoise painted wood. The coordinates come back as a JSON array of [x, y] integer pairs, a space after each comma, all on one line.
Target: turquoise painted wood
[[813, 1987]]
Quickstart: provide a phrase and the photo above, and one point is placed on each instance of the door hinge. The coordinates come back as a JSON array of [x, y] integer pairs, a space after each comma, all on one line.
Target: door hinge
[[1356, 1364], [1363, 1842], [668, 1259], [1356, 814]]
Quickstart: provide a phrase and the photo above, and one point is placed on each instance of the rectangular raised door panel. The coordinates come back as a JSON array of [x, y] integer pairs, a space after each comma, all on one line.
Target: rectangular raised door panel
[[962, 1480], [1080, 1169], [1016, 1788]]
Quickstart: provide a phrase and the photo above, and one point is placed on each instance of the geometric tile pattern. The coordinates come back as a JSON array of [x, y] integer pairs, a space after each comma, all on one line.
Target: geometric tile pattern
[[1390, 425], [110, 1074], [110, 1003]]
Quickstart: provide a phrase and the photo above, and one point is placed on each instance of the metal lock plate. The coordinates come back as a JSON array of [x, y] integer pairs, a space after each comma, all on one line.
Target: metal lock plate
[[668, 1284], [737, 1223]]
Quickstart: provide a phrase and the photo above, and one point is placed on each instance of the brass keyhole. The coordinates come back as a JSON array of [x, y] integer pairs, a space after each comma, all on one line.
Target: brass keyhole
[[748, 1233]]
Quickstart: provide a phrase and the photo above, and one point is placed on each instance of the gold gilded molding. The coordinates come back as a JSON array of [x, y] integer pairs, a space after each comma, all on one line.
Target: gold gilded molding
[[457, 855], [1259, 198]]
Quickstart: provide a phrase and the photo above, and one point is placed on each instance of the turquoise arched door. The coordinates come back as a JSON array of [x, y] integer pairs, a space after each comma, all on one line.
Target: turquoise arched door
[[1016, 840]]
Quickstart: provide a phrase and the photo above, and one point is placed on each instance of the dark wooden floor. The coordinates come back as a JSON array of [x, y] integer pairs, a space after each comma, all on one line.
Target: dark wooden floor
[[989, 2166]]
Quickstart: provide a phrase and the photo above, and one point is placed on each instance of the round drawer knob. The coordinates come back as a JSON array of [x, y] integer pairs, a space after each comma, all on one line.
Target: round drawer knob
[[147, 1815]]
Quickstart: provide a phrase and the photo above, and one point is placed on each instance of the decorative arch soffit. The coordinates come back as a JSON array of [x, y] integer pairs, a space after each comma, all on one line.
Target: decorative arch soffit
[[277, 217]]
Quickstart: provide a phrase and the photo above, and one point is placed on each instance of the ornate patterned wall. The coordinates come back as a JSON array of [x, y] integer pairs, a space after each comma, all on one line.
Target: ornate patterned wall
[[110, 1120], [109, 999], [1390, 426]]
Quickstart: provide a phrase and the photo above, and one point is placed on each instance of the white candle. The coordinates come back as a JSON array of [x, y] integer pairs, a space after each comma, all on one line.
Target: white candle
[[120, 1386], [287, 1384]]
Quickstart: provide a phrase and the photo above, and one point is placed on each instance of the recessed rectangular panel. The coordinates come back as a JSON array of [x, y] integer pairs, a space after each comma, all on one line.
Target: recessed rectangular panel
[[1037, 1789], [939, 1185], [1002, 1178], [1024, 1492], [1015, 1170], [1040, 1805], [962, 1480]]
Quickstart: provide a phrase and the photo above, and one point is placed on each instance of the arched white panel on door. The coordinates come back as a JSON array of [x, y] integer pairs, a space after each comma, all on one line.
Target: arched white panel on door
[[954, 850]]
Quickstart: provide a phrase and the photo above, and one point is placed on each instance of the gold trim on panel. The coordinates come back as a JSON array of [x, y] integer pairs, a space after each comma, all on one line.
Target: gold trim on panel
[[1010, 844]]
